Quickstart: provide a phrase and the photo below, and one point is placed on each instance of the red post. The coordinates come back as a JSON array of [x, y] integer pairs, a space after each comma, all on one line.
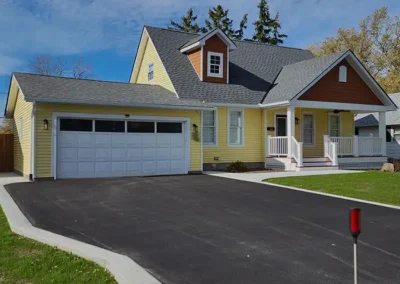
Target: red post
[[355, 230]]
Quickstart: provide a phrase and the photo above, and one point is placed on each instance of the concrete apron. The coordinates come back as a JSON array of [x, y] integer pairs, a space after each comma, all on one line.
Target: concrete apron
[[124, 269]]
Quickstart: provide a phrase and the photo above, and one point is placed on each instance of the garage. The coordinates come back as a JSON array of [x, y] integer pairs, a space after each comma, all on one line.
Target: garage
[[103, 147]]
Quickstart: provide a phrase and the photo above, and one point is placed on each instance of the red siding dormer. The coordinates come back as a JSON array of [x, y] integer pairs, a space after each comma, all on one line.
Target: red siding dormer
[[209, 56]]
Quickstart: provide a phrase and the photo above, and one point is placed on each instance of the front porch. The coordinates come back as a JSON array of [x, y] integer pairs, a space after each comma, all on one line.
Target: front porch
[[299, 139]]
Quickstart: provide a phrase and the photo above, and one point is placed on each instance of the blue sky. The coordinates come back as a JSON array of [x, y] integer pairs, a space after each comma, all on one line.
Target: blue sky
[[106, 33]]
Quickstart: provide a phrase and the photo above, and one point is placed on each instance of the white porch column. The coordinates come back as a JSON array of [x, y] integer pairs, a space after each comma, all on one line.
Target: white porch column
[[290, 120], [382, 131]]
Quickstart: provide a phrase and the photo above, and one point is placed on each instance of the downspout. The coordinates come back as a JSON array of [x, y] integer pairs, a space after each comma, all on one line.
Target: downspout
[[33, 143]]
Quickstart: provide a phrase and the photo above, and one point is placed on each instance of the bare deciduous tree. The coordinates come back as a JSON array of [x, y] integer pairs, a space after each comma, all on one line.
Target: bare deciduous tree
[[48, 65], [5, 126]]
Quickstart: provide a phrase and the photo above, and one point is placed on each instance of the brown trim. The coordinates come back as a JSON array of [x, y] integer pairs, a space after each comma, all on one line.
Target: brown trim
[[329, 89], [195, 58]]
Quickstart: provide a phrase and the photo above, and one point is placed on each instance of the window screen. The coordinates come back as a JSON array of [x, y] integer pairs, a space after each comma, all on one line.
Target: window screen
[[209, 127], [83, 125], [109, 126], [141, 127], [169, 127]]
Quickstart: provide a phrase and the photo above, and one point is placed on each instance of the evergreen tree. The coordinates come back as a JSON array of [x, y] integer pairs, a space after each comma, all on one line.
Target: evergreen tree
[[188, 24], [239, 34], [266, 28], [219, 19]]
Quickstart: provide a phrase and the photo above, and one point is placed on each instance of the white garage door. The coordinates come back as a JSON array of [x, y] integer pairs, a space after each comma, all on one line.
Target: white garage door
[[110, 148]]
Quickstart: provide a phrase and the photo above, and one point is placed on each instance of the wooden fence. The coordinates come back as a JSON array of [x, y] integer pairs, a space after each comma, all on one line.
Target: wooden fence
[[6, 153]]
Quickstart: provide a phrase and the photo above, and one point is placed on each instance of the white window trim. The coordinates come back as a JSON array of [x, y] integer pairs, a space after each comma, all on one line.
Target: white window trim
[[342, 74], [228, 128], [221, 69], [329, 123], [216, 130], [148, 72], [21, 129], [302, 129], [275, 124]]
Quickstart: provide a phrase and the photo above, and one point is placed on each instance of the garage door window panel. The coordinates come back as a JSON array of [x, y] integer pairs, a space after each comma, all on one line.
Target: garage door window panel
[[141, 127], [81, 125], [109, 126], [169, 127]]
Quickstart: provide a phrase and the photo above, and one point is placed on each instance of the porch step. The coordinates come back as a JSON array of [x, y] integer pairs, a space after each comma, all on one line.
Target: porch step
[[317, 164], [315, 159]]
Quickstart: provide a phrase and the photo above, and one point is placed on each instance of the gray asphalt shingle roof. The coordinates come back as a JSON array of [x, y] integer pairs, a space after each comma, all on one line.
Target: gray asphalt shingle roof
[[253, 68], [372, 119], [295, 77], [61, 89]]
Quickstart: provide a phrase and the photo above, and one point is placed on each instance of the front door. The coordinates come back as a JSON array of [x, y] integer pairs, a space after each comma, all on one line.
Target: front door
[[280, 125]]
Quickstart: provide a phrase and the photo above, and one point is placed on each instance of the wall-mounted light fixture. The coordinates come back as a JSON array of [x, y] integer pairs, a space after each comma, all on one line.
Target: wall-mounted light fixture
[[195, 127], [45, 124], [297, 121]]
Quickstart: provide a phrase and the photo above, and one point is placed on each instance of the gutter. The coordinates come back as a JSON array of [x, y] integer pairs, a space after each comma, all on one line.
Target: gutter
[[138, 105]]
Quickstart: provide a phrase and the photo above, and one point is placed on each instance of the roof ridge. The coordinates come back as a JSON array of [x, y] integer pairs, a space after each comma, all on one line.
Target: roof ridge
[[78, 79], [234, 40], [315, 58]]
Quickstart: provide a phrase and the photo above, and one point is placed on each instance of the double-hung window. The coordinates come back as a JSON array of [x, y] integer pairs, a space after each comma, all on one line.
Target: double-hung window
[[334, 125], [215, 64], [210, 127], [235, 128], [308, 129], [150, 72]]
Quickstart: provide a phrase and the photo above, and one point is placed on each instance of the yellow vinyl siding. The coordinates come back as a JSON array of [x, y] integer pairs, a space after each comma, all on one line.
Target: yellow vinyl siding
[[321, 119], [160, 74], [45, 111], [22, 149], [253, 149]]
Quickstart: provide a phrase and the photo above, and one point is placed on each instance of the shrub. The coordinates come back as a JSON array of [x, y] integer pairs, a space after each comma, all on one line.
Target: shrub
[[396, 164], [237, 167]]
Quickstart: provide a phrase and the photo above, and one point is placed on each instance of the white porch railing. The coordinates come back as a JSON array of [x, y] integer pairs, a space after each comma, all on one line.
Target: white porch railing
[[355, 146], [297, 151], [345, 145], [333, 152], [277, 146], [369, 146]]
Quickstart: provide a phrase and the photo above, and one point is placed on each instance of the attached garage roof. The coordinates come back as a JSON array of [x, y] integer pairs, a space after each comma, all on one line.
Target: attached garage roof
[[51, 89]]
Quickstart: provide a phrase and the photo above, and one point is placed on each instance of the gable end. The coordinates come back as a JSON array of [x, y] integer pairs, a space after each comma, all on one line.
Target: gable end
[[330, 89]]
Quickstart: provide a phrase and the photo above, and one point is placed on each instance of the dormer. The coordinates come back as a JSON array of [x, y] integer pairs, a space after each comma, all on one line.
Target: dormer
[[209, 55]]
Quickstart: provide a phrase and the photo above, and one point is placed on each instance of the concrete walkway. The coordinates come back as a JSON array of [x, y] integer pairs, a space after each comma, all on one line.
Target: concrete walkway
[[259, 177]]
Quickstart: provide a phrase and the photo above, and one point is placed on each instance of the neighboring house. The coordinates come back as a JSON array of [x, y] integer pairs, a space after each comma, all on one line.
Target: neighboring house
[[195, 103], [367, 126]]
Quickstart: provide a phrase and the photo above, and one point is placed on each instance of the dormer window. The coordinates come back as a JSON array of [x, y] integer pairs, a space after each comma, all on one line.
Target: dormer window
[[150, 72], [343, 74], [215, 64]]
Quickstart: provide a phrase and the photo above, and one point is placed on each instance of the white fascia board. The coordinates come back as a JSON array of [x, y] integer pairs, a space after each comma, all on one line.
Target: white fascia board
[[151, 106], [274, 105], [342, 106], [234, 105], [192, 46]]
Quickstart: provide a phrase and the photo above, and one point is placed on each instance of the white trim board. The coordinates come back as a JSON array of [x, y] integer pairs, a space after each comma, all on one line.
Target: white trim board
[[124, 269], [231, 45], [57, 115]]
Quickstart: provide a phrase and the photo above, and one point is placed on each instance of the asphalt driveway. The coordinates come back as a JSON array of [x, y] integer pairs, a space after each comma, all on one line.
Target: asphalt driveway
[[203, 229]]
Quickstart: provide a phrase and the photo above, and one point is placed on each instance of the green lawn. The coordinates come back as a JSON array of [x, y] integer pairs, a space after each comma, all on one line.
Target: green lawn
[[370, 185], [26, 261]]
